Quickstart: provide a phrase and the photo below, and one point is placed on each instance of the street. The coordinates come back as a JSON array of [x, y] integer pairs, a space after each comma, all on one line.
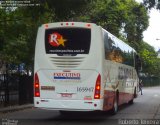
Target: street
[[145, 107]]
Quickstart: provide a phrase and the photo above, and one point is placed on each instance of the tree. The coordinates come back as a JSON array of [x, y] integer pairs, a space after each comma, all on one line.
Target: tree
[[136, 23], [125, 18], [150, 60], [151, 4], [66, 10], [18, 32]]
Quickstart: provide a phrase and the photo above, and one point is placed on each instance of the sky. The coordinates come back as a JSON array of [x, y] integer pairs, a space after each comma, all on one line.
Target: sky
[[152, 34]]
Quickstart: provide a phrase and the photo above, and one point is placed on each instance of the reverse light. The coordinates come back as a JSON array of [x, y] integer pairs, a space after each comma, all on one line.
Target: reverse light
[[36, 86], [97, 87]]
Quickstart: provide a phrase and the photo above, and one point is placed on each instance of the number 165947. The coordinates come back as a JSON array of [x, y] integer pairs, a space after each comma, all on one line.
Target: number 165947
[[85, 89]]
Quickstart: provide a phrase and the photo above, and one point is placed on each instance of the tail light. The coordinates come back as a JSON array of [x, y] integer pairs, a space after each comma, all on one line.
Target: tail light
[[88, 25], [36, 86], [97, 87]]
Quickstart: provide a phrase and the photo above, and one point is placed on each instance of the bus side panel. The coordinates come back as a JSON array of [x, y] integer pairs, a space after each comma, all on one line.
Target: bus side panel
[[120, 79]]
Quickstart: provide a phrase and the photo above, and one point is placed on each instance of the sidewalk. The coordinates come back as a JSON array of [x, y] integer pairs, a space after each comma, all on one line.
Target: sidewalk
[[15, 108]]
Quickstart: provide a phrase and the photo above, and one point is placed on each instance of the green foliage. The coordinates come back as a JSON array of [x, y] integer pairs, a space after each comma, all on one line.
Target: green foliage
[[107, 14], [66, 10], [151, 64], [120, 17], [18, 32], [136, 23]]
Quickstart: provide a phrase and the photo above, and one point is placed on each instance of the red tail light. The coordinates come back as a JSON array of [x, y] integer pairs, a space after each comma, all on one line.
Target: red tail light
[[46, 26], [88, 25], [36, 86], [97, 87]]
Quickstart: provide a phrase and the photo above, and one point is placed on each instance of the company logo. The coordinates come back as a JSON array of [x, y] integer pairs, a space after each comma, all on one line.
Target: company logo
[[56, 39], [73, 76]]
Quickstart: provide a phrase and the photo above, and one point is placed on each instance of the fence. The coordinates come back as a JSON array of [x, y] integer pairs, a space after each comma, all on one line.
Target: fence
[[150, 81], [15, 89], [3, 90]]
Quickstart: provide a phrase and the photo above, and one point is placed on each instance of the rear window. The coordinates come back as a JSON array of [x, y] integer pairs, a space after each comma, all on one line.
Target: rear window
[[67, 41]]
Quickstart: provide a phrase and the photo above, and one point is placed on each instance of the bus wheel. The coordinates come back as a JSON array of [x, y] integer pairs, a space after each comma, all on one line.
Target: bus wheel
[[114, 110], [131, 102], [134, 96], [135, 93]]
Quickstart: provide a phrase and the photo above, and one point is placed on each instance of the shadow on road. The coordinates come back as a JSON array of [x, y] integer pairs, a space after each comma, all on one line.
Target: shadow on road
[[71, 118], [92, 115]]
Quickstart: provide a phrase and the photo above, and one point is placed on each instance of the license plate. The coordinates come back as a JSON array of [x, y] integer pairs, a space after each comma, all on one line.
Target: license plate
[[66, 95]]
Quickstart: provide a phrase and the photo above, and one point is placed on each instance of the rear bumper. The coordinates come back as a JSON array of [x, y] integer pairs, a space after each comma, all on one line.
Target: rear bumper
[[69, 105]]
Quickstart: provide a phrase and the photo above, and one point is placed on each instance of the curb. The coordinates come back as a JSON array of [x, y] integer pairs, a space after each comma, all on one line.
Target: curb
[[15, 108]]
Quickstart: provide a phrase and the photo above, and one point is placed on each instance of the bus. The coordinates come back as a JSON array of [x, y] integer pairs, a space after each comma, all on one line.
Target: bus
[[80, 66]]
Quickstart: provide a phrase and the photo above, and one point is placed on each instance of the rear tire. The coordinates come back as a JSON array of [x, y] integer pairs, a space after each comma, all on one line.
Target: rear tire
[[135, 93], [134, 96], [131, 102], [114, 110]]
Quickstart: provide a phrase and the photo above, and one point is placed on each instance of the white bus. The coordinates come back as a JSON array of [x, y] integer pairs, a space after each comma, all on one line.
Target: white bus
[[82, 67]]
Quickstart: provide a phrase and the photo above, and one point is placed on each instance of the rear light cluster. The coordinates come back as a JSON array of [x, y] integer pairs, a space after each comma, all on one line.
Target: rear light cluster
[[97, 87], [67, 24], [36, 86], [88, 25], [72, 24]]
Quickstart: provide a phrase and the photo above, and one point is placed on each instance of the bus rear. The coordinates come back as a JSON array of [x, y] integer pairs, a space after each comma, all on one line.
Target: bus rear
[[68, 67]]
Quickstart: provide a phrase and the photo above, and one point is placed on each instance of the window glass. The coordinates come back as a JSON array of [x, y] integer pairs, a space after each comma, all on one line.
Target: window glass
[[118, 51], [67, 41]]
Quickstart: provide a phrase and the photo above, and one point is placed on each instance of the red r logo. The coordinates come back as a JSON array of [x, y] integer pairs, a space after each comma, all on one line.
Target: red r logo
[[56, 39]]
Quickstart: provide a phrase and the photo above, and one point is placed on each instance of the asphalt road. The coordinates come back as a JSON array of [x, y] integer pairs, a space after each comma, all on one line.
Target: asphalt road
[[145, 110]]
